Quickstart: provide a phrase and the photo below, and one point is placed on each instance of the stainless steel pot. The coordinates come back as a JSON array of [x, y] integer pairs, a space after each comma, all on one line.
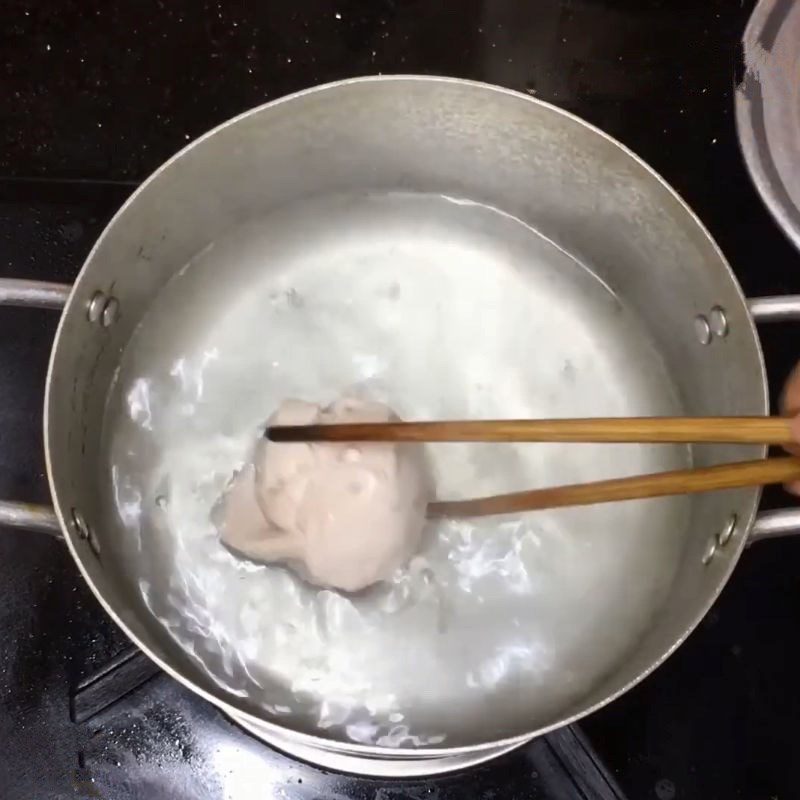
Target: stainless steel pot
[[580, 231]]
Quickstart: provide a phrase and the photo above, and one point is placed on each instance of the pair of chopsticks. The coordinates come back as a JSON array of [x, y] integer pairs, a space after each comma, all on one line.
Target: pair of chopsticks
[[730, 430]]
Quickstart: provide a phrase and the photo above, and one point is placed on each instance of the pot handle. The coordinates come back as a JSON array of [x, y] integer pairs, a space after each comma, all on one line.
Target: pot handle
[[783, 521], [31, 294], [775, 309]]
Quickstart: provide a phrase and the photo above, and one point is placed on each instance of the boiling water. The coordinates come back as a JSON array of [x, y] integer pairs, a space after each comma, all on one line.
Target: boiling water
[[443, 309]]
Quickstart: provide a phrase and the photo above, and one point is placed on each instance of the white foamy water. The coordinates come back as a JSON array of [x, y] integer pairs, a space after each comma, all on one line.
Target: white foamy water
[[442, 310]]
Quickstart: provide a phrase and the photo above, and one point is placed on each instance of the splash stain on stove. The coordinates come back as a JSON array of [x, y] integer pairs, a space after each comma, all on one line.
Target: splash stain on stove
[[158, 737]]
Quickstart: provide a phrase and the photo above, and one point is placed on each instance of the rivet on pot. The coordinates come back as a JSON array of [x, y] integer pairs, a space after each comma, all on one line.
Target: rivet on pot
[[711, 551], [725, 535], [96, 306], [110, 312], [702, 329], [718, 321], [79, 523]]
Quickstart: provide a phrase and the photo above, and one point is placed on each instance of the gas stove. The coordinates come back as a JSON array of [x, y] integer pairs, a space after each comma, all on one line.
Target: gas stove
[[97, 96]]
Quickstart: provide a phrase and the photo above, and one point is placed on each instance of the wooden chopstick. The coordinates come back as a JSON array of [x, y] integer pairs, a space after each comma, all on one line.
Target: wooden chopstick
[[732, 430], [683, 481]]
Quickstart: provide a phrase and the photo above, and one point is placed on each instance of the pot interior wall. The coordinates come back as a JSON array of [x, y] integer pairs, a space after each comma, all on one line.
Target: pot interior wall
[[567, 181]]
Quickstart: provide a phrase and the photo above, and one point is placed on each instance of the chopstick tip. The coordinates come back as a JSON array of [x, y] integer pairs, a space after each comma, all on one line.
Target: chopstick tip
[[272, 434], [290, 433]]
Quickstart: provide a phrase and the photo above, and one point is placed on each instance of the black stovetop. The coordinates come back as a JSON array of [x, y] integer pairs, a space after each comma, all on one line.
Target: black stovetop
[[95, 95]]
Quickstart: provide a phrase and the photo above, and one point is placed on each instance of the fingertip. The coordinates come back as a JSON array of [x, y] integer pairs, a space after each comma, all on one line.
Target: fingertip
[[790, 397]]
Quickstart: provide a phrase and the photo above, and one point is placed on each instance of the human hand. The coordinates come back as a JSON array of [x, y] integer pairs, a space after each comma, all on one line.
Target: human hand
[[790, 407]]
